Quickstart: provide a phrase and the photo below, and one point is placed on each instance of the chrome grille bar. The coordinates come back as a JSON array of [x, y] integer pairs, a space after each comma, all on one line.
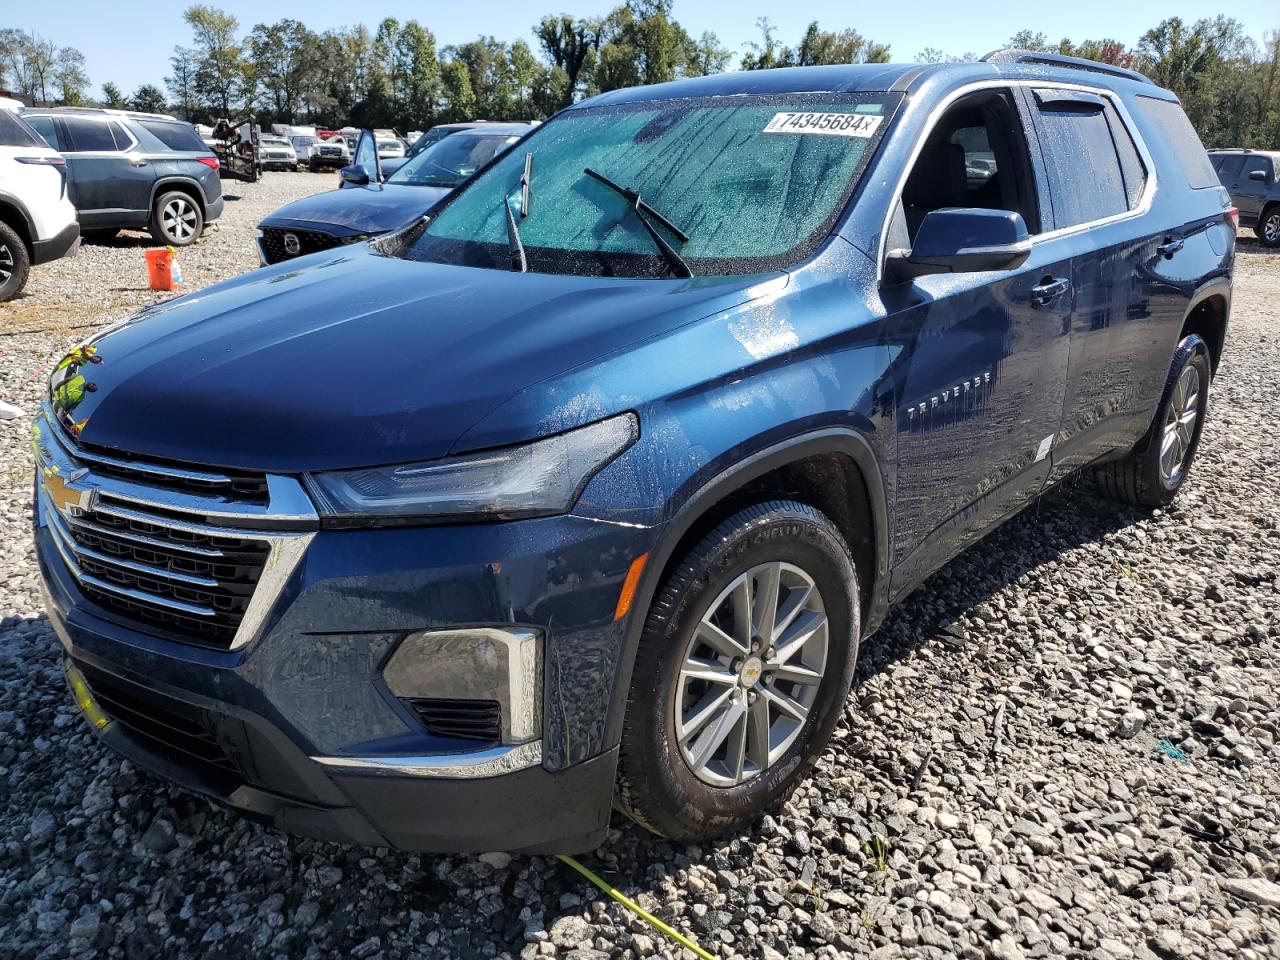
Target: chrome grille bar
[[205, 567]]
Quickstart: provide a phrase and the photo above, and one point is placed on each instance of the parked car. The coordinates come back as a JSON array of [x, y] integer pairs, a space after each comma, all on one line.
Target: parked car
[[330, 154], [390, 148], [437, 133], [368, 206], [1253, 179], [277, 153], [134, 171], [585, 489], [37, 218]]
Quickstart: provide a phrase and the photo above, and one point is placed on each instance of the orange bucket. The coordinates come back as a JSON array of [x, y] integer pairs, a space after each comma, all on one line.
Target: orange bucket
[[163, 271]]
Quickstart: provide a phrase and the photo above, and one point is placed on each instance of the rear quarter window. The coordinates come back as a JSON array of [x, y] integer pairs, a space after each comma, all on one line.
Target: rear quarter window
[[1180, 137], [14, 132], [175, 136]]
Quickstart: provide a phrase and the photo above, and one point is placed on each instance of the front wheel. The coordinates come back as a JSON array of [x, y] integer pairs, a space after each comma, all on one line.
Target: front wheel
[[744, 664], [15, 265], [176, 219], [1153, 472], [1268, 228]]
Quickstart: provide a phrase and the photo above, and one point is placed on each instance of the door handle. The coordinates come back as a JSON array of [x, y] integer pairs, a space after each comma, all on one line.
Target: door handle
[[1049, 289], [138, 161], [1170, 246]]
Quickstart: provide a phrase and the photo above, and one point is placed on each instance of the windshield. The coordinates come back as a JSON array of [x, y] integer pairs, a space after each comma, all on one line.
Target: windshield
[[432, 136], [754, 181], [450, 161], [389, 146]]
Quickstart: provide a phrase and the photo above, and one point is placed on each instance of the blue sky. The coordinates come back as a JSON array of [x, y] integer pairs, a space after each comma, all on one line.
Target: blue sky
[[131, 44]]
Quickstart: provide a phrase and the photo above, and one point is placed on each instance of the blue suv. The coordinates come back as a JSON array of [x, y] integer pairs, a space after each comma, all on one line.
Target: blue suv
[[583, 491]]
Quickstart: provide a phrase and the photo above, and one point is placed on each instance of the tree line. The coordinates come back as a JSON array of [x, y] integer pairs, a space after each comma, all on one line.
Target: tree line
[[396, 75]]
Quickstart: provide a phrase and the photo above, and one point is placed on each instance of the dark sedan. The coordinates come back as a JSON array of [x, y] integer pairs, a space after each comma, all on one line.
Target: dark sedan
[[359, 211]]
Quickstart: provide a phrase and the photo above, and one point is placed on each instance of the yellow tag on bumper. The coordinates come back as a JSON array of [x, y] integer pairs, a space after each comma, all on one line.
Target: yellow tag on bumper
[[84, 698]]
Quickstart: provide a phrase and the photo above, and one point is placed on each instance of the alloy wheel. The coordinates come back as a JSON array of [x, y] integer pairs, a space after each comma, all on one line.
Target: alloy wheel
[[750, 674], [1180, 424], [179, 218], [6, 263], [1271, 228]]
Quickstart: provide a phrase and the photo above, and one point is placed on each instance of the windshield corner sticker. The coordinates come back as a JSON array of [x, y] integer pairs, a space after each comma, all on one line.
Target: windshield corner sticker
[[831, 124]]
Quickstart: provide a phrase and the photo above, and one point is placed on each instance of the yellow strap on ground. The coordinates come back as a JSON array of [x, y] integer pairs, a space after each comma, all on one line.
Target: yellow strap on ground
[[635, 908]]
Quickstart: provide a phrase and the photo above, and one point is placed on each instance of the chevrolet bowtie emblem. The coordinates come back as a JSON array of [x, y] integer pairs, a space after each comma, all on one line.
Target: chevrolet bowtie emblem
[[66, 498]]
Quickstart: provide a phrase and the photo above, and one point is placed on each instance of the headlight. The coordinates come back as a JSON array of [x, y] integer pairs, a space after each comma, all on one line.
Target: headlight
[[537, 479]]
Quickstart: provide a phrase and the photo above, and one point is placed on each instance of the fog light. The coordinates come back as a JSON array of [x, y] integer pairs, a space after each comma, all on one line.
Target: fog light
[[454, 670]]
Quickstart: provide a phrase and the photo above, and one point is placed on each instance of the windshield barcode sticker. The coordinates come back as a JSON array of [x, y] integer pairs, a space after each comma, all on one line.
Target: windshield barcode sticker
[[831, 124]]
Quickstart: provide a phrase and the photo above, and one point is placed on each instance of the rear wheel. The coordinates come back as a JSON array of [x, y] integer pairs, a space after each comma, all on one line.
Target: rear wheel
[[1268, 228], [176, 219], [744, 664], [15, 265], [1155, 469]]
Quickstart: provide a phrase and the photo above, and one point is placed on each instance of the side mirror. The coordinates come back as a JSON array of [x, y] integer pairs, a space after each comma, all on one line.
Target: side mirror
[[963, 240], [355, 176], [1260, 175]]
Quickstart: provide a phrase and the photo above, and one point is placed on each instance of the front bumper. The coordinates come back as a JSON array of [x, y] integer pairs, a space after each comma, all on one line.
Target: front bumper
[[295, 724], [329, 163]]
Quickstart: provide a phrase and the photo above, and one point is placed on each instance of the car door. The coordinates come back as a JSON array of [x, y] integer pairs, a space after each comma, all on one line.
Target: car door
[[981, 357], [111, 178], [1249, 193], [1097, 182]]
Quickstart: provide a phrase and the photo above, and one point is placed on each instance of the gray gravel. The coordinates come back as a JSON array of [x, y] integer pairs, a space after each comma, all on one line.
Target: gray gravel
[[1064, 745]]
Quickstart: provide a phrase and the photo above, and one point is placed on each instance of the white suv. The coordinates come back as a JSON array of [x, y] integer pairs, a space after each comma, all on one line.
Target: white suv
[[37, 218]]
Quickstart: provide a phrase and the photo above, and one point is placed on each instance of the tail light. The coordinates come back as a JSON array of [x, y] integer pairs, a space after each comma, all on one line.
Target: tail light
[[1233, 214], [210, 162]]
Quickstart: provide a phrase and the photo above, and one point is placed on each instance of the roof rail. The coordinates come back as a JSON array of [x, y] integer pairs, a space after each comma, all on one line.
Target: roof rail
[[1014, 55]]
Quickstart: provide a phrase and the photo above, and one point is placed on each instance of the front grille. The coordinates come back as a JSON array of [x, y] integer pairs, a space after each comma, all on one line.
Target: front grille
[[309, 241], [181, 732], [155, 554], [468, 719]]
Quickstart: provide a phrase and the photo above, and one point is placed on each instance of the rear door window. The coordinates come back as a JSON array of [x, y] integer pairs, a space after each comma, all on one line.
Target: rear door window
[[47, 127], [1131, 167], [89, 136], [1085, 176], [1181, 138], [175, 136]]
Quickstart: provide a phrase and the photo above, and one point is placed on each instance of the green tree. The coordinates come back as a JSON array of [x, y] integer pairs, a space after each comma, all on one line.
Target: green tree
[[222, 75], [112, 97], [278, 54], [182, 83], [417, 77], [459, 98], [149, 99], [571, 46]]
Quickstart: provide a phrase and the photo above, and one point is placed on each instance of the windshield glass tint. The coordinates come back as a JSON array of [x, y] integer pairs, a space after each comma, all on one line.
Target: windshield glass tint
[[755, 182], [451, 160]]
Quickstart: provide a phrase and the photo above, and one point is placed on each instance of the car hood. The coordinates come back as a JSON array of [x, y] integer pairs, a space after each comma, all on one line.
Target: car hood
[[355, 211], [348, 358]]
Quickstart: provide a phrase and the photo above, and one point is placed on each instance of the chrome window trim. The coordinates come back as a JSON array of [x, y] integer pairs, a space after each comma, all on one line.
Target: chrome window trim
[[493, 762], [286, 547], [1145, 199]]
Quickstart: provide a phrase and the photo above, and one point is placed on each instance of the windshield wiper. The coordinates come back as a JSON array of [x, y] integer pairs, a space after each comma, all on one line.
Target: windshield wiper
[[519, 262], [641, 208]]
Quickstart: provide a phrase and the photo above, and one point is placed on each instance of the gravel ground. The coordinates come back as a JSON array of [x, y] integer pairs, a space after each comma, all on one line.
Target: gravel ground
[[1063, 745]]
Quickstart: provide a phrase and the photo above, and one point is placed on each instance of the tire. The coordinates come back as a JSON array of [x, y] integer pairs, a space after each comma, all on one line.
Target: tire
[[15, 264], [176, 219], [1268, 228], [660, 784], [1152, 473], [313, 166]]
